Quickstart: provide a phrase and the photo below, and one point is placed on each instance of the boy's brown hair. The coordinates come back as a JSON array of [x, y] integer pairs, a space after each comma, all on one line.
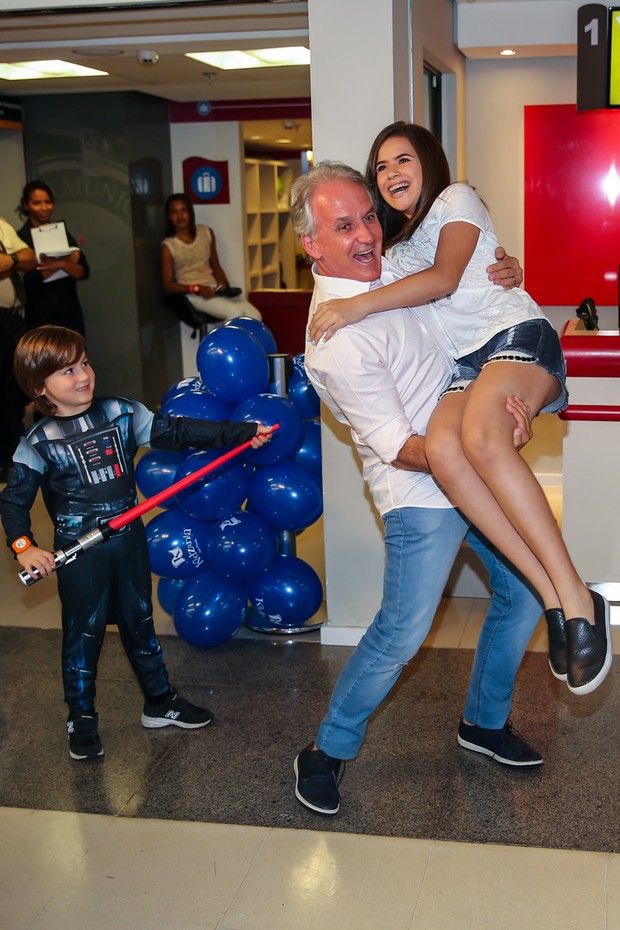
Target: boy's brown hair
[[41, 352]]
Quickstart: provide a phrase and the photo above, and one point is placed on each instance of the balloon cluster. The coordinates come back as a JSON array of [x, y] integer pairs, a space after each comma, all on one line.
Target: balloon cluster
[[219, 545]]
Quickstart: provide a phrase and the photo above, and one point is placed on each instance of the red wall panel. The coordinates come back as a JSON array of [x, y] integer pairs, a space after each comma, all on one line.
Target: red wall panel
[[572, 205]]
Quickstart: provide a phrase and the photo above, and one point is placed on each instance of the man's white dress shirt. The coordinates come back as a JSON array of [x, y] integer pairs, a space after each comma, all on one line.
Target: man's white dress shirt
[[383, 378]]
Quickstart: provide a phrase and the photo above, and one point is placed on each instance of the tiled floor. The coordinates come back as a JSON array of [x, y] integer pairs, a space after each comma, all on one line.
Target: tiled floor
[[61, 870]]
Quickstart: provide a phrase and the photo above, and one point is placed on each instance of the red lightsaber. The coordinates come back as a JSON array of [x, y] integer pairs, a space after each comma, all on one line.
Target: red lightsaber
[[96, 536]]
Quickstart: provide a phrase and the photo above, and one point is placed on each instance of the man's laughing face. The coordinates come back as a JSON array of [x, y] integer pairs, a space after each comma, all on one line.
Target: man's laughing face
[[348, 239]]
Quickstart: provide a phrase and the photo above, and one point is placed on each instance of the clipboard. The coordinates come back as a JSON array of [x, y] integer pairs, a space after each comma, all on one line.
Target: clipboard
[[51, 240]]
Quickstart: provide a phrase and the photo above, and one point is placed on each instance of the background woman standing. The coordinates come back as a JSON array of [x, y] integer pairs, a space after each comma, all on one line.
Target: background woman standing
[[48, 301]]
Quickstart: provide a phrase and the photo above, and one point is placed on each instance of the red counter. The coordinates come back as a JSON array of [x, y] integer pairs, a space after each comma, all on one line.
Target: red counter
[[591, 455]]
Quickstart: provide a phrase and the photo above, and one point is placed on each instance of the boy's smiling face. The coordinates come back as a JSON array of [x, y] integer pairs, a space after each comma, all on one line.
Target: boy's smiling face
[[70, 389]]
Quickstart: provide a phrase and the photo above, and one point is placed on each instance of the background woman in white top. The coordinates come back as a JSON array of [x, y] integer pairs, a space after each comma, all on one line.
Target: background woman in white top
[[442, 238], [190, 266]]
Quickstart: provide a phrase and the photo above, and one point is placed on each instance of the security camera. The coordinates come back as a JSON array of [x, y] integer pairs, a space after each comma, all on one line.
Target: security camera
[[147, 56]]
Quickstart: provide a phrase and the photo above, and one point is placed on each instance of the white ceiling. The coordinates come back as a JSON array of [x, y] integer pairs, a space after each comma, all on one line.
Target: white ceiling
[[92, 38], [533, 28], [109, 39]]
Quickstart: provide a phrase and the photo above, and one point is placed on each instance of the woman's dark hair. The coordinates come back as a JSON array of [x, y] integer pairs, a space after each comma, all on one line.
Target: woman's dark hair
[[170, 230], [27, 191], [39, 353], [435, 178]]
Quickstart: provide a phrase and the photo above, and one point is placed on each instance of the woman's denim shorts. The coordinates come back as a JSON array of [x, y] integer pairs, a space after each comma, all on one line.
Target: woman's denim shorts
[[532, 342]]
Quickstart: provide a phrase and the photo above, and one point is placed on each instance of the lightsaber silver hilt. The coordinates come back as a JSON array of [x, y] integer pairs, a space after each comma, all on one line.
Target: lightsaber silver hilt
[[68, 554]]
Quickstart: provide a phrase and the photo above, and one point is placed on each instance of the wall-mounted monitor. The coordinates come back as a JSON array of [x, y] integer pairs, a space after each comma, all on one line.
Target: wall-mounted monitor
[[614, 56]]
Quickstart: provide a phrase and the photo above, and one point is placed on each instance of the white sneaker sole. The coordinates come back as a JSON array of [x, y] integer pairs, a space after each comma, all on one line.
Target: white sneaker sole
[[156, 723], [493, 755], [563, 677], [86, 758]]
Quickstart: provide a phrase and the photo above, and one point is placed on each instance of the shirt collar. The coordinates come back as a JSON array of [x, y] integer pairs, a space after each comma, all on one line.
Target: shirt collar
[[326, 286]]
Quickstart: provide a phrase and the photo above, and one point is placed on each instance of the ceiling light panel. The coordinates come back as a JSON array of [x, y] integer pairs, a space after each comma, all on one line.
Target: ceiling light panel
[[253, 58], [44, 70]]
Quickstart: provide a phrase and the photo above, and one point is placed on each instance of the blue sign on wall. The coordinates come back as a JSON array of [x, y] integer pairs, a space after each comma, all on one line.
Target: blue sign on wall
[[206, 181]]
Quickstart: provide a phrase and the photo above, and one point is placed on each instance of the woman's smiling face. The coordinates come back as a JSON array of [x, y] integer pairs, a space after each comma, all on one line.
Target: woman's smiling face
[[39, 206], [399, 174]]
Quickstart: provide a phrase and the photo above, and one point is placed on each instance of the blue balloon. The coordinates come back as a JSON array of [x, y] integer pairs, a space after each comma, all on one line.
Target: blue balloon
[[233, 364], [177, 544], [269, 409], [182, 386], [242, 546], [155, 472], [209, 610], [310, 453], [289, 593], [287, 495], [167, 591], [217, 494], [197, 404], [301, 393], [258, 329]]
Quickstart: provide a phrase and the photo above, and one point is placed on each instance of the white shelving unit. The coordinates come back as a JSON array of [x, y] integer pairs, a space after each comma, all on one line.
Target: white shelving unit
[[270, 240]]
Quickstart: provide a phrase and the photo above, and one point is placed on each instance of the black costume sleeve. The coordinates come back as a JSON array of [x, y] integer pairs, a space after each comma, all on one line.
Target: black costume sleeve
[[171, 433], [16, 502]]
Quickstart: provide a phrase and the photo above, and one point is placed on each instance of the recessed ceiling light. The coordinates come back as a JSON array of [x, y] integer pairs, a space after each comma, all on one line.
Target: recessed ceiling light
[[507, 52], [41, 70], [253, 58]]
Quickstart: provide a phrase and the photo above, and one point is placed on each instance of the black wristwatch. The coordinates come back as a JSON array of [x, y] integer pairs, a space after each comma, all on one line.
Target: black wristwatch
[[15, 258]]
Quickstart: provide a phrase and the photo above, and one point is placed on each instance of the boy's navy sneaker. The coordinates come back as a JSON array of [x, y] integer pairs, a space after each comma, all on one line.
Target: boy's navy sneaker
[[505, 745], [556, 631], [84, 742], [589, 648], [175, 711], [316, 781]]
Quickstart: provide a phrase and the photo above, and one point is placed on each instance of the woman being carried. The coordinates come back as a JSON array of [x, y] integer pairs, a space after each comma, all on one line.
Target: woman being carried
[[441, 237], [190, 266]]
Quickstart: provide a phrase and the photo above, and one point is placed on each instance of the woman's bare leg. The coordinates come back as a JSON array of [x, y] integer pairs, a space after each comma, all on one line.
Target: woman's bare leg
[[467, 490], [486, 436]]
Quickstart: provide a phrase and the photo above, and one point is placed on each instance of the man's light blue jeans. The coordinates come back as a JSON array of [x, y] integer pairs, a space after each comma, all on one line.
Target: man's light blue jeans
[[421, 545]]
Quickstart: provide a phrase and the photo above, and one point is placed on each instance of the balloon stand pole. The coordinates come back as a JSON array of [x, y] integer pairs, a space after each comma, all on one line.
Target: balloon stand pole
[[280, 369], [287, 542]]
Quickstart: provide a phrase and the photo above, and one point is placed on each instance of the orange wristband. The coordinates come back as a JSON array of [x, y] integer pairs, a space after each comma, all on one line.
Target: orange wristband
[[194, 289], [21, 544]]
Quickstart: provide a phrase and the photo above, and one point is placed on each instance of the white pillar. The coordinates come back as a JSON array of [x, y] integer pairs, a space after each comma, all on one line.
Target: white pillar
[[361, 81], [360, 74]]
